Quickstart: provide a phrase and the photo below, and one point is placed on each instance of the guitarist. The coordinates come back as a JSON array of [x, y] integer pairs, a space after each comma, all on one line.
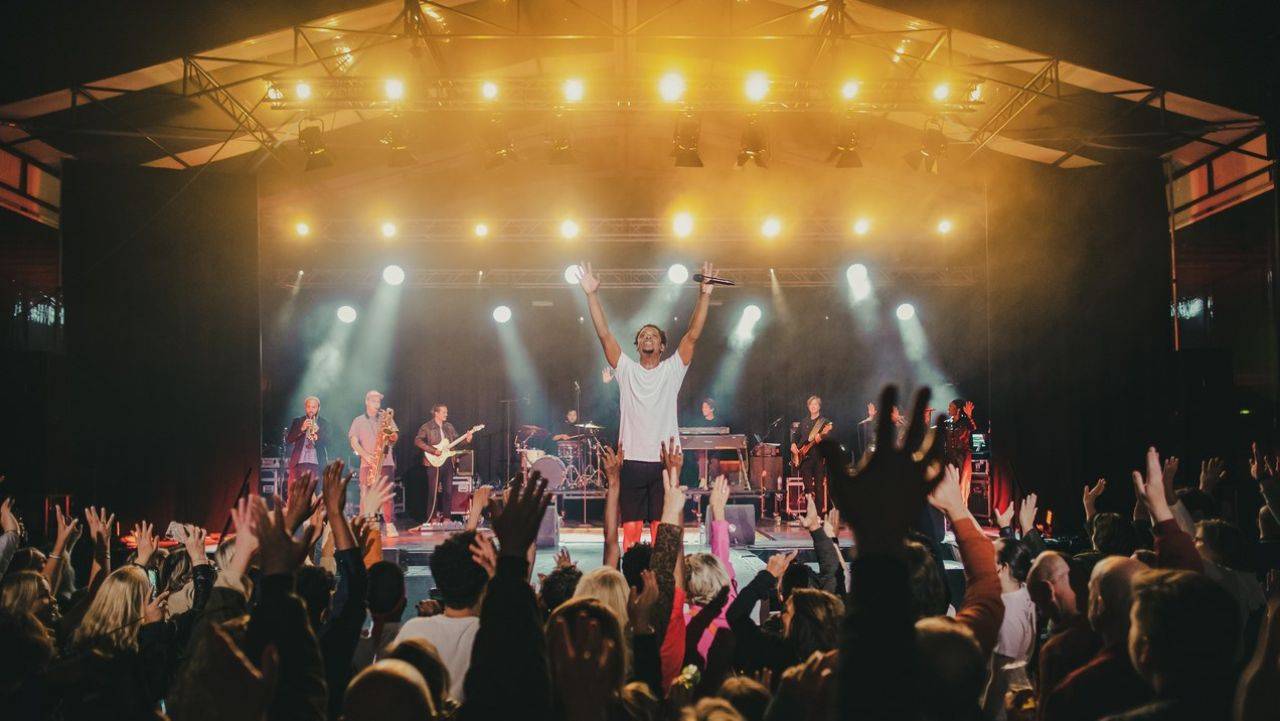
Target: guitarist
[[439, 480], [808, 464]]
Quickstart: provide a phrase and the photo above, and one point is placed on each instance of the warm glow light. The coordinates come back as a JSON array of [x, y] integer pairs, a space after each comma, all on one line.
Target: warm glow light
[[481, 230], [573, 274], [302, 90], [393, 275], [569, 229], [944, 226], [347, 314], [906, 311], [395, 89], [976, 94], [682, 225], [817, 11], [671, 87], [388, 229], [751, 313], [859, 281], [574, 90], [941, 91], [757, 86], [861, 226], [771, 227], [502, 314], [489, 90], [302, 229], [678, 274], [850, 89], [898, 52]]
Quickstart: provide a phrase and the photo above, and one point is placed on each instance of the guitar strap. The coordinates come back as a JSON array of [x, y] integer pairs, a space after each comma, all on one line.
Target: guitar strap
[[818, 425]]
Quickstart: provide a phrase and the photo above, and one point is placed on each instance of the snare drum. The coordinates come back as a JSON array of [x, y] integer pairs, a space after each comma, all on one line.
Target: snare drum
[[552, 469], [570, 452]]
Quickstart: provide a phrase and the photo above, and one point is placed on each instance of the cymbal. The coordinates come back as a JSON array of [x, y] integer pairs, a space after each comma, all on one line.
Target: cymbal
[[589, 426], [530, 428]]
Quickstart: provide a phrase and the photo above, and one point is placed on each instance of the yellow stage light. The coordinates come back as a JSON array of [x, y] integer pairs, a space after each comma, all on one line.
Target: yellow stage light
[[302, 229], [395, 89], [757, 86], [388, 229], [481, 230], [850, 89], [574, 90], [941, 91], [944, 226], [302, 90], [771, 227], [489, 90], [569, 229], [862, 226], [682, 225], [671, 87], [818, 11]]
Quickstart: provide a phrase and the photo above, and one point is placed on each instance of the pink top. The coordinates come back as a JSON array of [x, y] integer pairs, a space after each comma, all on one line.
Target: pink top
[[719, 549]]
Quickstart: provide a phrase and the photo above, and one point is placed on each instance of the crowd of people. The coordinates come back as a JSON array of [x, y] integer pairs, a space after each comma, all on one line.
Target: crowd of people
[[297, 617]]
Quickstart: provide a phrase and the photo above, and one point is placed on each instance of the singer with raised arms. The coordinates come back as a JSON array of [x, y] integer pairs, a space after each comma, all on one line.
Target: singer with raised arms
[[647, 393]]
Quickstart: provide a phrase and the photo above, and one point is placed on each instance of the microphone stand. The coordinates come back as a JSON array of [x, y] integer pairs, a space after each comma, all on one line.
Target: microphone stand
[[506, 435]]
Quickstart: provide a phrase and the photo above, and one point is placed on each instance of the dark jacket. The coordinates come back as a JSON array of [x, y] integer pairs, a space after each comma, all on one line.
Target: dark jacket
[[297, 439]]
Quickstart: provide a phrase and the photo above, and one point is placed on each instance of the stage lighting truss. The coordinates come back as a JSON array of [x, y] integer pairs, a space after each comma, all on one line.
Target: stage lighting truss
[[845, 152], [685, 140], [560, 139], [755, 143], [933, 146], [311, 141], [498, 146], [724, 94], [395, 137]]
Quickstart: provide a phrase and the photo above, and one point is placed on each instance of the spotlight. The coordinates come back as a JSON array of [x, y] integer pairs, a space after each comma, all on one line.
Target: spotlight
[[975, 95], [944, 226], [751, 313], [502, 314], [398, 155], [481, 230], [489, 90], [574, 90], [347, 314], [933, 145], [771, 227], [899, 51], [757, 86], [906, 311], [682, 225], [569, 229], [941, 91], [859, 281], [850, 89], [573, 274], [302, 91], [671, 87], [685, 141], [274, 93], [755, 146], [302, 229], [745, 330], [817, 11], [393, 275], [311, 140], [678, 274], [394, 89], [845, 152], [561, 151], [856, 272], [388, 229], [861, 226], [497, 143]]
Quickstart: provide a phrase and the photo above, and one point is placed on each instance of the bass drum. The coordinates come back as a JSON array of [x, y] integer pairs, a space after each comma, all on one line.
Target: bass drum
[[552, 469]]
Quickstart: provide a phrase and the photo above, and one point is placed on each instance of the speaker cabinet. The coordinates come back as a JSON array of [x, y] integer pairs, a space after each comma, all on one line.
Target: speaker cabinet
[[742, 524], [766, 473], [460, 499], [549, 530]]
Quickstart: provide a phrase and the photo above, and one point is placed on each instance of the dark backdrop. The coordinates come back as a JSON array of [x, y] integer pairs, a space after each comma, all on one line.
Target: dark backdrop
[[159, 272]]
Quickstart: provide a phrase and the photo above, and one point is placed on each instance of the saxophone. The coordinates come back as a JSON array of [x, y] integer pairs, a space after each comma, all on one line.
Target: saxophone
[[313, 429], [386, 428]]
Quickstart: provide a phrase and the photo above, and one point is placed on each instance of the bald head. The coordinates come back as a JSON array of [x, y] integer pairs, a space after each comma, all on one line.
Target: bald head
[[1111, 595], [1049, 583], [388, 690]]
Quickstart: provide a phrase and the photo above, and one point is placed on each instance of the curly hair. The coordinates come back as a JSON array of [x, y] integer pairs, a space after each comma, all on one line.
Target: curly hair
[[558, 587], [460, 579]]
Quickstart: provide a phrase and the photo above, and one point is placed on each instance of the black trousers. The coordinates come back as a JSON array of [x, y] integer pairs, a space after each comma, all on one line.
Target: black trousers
[[640, 498], [439, 488], [813, 471]]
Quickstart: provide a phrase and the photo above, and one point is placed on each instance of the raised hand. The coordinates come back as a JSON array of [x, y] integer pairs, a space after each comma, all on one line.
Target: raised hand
[[195, 546], [946, 496], [1091, 498], [885, 495], [301, 502], [612, 462], [156, 608], [1027, 513], [588, 280], [146, 540], [606, 375], [672, 456], [811, 520], [582, 657], [363, 529], [278, 551], [968, 408], [1261, 466], [779, 562], [563, 560], [335, 486], [640, 604], [484, 554], [68, 531], [719, 497], [1005, 518], [372, 497], [1211, 471], [672, 498], [246, 534], [1151, 488], [479, 502], [8, 521], [708, 271], [516, 523], [1168, 471], [832, 524]]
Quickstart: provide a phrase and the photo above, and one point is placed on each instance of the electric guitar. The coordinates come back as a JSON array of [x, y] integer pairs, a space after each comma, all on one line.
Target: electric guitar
[[803, 451], [444, 449]]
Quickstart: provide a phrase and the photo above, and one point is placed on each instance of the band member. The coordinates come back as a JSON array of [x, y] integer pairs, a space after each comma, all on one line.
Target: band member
[[365, 436], [708, 466], [956, 430], [567, 428], [867, 432], [647, 394], [708, 409], [814, 428], [308, 438], [439, 480]]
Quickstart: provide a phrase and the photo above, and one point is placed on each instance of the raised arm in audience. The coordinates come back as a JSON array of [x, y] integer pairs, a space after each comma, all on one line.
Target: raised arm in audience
[[56, 562], [823, 547], [982, 610], [1174, 547], [612, 461]]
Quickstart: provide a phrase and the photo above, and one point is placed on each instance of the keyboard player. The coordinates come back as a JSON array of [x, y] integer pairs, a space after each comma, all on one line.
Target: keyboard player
[[708, 418]]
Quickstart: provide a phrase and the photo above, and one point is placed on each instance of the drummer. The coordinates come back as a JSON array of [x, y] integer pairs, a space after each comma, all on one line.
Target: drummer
[[567, 429]]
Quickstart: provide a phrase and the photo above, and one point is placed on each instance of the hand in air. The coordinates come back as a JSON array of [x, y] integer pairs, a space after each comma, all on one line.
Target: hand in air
[[672, 498], [708, 271], [1004, 518], [588, 280], [516, 522], [672, 456], [1027, 513], [719, 497], [1150, 489], [1091, 497], [1211, 472], [779, 562], [146, 542], [811, 520], [612, 461]]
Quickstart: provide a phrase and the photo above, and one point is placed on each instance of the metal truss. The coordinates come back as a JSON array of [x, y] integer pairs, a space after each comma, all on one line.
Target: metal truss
[[1045, 80], [196, 77], [553, 278]]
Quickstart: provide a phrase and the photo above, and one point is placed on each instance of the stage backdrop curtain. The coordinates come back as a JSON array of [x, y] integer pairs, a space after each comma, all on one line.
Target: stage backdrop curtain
[[160, 275], [1080, 331]]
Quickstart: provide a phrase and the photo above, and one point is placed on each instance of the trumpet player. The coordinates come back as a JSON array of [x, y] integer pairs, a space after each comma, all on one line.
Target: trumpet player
[[308, 440]]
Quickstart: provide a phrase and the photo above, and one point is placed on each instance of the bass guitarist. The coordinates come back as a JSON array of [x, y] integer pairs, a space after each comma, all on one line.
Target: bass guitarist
[[439, 479], [805, 459]]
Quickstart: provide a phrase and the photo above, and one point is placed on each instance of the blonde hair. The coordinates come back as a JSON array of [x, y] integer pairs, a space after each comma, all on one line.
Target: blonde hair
[[704, 576], [20, 591], [115, 615], [608, 586]]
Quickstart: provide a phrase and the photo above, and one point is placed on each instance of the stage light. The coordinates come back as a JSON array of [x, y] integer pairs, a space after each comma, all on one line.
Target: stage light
[[302, 229], [569, 229], [941, 91], [771, 227], [497, 143], [560, 151], [388, 229], [976, 94], [302, 91], [393, 275], [755, 143], [489, 90], [481, 230], [678, 274], [861, 226], [573, 274], [751, 313], [502, 314], [906, 311], [756, 87], [859, 281], [933, 146], [856, 272], [845, 152], [944, 226], [685, 141], [671, 87], [682, 225], [311, 141], [817, 11], [899, 51], [394, 89], [398, 155], [274, 93], [347, 314], [574, 90], [850, 89]]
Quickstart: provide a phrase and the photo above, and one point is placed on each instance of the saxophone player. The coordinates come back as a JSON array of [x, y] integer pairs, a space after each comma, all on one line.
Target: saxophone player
[[373, 436], [308, 440]]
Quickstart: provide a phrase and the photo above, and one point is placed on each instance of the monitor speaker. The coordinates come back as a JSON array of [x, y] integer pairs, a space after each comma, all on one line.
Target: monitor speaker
[[460, 500], [549, 530], [742, 524]]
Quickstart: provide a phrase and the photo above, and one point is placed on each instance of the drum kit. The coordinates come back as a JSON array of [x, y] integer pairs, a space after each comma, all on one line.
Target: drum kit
[[578, 461]]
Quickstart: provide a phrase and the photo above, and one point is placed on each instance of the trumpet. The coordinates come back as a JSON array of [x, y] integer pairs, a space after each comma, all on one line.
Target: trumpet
[[313, 429]]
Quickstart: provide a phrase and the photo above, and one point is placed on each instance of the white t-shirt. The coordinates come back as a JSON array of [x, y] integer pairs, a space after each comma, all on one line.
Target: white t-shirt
[[647, 405], [452, 637], [1018, 629]]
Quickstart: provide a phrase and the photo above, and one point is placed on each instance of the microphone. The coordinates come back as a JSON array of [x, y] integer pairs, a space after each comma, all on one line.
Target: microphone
[[711, 279]]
